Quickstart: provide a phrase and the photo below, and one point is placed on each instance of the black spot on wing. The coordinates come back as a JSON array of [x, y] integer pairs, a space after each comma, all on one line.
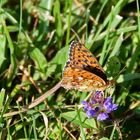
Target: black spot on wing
[[79, 60], [85, 51], [96, 71]]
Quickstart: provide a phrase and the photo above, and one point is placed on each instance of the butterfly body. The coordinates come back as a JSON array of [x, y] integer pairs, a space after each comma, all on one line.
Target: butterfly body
[[82, 71]]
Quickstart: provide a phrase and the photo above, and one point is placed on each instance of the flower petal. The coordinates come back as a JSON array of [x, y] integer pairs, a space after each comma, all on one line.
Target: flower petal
[[85, 105], [90, 113], [114, 107], [108, 104], [102, 116]]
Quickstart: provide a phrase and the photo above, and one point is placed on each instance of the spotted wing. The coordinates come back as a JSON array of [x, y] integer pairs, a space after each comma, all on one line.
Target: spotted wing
[[82, 70], [82, 80]]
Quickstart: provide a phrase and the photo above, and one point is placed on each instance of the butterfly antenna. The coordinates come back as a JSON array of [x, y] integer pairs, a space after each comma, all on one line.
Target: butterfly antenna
[[76, 35], [112, 82], [120, 72]]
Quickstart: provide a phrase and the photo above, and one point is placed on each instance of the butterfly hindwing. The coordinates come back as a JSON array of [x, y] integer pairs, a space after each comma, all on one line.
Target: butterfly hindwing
[[82, 80]]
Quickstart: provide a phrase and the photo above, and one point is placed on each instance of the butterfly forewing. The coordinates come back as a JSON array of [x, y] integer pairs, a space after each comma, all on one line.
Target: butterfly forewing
[[81, 57], [82, 70]]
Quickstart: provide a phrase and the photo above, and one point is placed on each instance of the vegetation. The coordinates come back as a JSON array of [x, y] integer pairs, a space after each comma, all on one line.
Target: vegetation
[[34, 40]]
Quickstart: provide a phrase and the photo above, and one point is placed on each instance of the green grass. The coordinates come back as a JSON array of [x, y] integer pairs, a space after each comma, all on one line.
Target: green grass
[[34, 42]]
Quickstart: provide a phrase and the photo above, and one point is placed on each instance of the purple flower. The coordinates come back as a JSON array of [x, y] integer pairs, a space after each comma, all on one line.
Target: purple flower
[[99, 107], [109, 106], [97, 97], [86, 105], [90, 113], [102, 116], [89, 110]]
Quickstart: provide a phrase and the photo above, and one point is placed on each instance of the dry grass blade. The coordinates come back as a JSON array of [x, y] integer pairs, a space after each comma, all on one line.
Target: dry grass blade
[[36, 101]]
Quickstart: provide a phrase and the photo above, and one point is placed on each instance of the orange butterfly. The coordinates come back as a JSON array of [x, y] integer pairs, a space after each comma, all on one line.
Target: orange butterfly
[[82, 71]]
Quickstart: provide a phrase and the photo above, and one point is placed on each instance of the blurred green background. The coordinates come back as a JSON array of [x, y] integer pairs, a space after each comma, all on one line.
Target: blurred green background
[[36, 34]]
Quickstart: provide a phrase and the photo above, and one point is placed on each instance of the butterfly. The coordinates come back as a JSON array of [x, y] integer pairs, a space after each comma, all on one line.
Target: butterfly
[[82, 70]]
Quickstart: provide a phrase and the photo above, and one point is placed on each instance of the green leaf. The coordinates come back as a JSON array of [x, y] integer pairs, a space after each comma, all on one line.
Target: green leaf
[[13, 66], [117, 46], [72, 116], [40, 61], [113, 66], [2, 95], [2, 46], [51, 69], [56, 12], [104, 138], [62, 54], [128, 77]]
